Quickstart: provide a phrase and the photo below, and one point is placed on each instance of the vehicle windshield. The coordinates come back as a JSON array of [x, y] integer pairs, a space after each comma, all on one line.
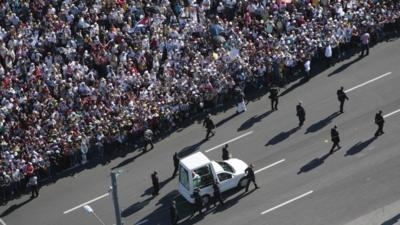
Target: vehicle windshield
[[226, 167], [184, 177], [202, 177]]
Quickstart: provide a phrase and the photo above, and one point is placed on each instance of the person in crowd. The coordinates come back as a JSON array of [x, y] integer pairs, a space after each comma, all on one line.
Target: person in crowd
[[33, 185], [365, 43], [148, 139]]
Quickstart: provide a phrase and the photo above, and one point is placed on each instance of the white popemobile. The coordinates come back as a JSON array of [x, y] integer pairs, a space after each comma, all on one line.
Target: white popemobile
[[198, 171]]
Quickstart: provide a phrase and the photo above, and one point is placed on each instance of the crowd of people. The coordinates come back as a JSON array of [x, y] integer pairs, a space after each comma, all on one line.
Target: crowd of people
[[76, 75]]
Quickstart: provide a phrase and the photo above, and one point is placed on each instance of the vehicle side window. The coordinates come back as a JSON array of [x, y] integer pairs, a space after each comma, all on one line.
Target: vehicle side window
[[226, 167], [224, 176], [202, 177], [184, 177]]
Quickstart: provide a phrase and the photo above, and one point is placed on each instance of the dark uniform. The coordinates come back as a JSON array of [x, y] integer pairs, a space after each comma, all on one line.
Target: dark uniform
[[251, 177], [273, 95], [173, 213], [156, 184], [335, 139], [225, 152], [379, 121], [301, 113], [148, 139], [198, 202], [217, 195], [341, 97], [209, 125], [176, 164]]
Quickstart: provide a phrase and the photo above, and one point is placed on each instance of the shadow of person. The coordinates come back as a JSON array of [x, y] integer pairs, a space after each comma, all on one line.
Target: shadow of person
[[190, 149], [294, 86], [135, 207], [220, 123], [313, 164], [14, 207], [344, 66], [127, 161], [282, 136], [392, 221], [359, 146], [253, 120], [322, 123]]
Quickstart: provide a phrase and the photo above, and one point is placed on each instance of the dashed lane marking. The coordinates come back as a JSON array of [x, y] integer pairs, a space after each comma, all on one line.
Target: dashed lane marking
[[269, 166], [392, 113], [229, 141], [287, 202], [86, 203], [367, 82]]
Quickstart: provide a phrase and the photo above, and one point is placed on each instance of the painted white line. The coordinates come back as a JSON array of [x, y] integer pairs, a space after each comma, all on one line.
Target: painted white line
[[392, 113], [232, 140], [367, 82], [269, 166], [142, 222], [2, 222], [86, 203], [287, 202]]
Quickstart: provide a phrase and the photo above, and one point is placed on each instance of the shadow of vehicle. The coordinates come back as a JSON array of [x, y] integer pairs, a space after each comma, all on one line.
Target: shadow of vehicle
[[313, 164], [322, 123], [282, 136]]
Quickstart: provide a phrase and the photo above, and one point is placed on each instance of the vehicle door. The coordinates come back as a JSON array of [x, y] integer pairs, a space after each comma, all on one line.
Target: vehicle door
[[226, 181]]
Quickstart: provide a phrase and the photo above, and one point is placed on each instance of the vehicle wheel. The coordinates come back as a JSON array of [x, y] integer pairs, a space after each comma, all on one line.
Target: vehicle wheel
[[206, 199], [243, 182]]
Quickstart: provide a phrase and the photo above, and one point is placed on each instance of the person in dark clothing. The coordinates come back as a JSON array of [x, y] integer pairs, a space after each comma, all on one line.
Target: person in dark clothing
[[341, 97], [379, 120], [335, 139], [209, 125], [176, 164], [217, 194], [174, 213], [198, 202], [225, 153], [273, 95], [301, 114], [156, 184], [148, 139], [251, 177]]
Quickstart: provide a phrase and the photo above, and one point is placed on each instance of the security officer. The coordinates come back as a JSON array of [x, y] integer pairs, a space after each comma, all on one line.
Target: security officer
[[198, 202], [176, 164], [217, 194], [148, 139], [341, 97], [379, 121], [209, 125], [225, 153], [273, 95], [335, 139], [173, 213], [251, 177], [301, 114], [156, 184]]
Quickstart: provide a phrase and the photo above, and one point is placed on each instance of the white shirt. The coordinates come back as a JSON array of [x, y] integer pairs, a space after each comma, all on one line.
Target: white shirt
[[328, 51]]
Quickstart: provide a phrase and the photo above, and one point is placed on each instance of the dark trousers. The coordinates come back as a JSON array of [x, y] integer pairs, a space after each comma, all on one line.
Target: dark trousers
[[341, 106], [148, 142], [209, 131], [248, 183], [217, 198], [335, 145], [198, 207], [175, 171], [380, 130], [301, 121], [365, 48], [35, 191], [274, 104], [156, 189]]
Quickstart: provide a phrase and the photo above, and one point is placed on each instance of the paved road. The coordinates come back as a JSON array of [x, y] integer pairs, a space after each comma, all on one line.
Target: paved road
[[357, 185]]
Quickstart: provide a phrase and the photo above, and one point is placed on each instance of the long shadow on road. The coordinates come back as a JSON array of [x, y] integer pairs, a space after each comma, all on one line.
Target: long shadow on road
[[254, 119], [190, 149], [220, 123], [392, 221], [361, 145], [322, 123], [313, 164], [15, 207], [149, 190], [282, 136], [344, 66]]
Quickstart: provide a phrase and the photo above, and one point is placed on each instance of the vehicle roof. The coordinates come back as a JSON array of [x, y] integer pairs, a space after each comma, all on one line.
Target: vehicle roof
[[217, 168], [195, 161]]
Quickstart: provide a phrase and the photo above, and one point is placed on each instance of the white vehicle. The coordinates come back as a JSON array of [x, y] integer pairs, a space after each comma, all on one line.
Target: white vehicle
[[197, 171]]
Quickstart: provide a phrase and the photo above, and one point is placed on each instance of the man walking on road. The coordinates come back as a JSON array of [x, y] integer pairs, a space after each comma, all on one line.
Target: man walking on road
[[156, 184], [209, 125], [335, 139], [301, 114], [379, 120], [173, 213], [251, 177], [341, 97], [273, 95], [217, 194], [176, 164], [225, 153]]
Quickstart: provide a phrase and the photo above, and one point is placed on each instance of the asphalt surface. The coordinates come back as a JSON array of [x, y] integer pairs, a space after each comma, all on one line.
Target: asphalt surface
[[357, 185]]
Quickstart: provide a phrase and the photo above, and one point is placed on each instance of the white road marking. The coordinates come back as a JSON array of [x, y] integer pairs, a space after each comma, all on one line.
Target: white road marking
[[287, 202], [232, 140], [367, 82], [269, 166], [392, 113], [86, 203], [142, 222], [2, 222]]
